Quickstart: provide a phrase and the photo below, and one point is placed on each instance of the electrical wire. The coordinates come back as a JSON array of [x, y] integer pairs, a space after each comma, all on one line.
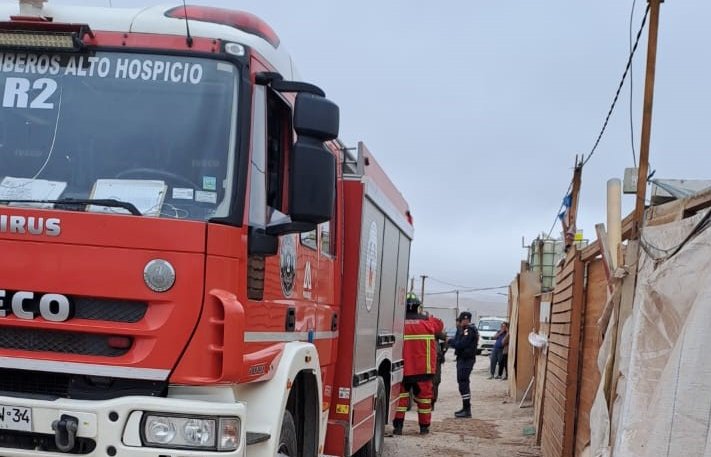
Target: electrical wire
[[628, 69], [634, 153], [703, 224], [619, 88], [458, 286], [466, 291]]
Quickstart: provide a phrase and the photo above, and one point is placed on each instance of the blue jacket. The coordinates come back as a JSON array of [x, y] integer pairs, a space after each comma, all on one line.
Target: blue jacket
[[465, 342]]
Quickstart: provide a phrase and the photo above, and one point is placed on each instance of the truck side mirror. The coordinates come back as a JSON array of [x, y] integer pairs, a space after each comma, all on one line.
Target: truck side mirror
[[316, 117], [312, 167], [312, 182]]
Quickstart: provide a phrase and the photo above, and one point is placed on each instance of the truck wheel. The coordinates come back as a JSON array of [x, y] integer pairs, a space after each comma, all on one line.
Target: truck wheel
[[287, 437], [374, 447]]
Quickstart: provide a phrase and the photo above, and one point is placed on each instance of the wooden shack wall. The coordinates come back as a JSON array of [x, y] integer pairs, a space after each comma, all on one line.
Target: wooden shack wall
[[561, 382], [523, 321], [595, 299]]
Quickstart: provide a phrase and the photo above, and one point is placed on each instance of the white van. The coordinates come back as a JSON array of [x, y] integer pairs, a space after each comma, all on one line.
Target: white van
[[488, 326]]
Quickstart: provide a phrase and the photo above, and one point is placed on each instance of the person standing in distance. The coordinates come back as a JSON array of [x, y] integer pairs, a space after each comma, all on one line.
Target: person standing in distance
[[464, 344], [420, 364]]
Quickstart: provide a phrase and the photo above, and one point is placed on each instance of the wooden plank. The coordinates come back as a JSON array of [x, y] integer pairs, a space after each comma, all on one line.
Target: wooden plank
[[573, 360], [556, 386], [559, 350], [529, 299], [563, 284], [539, 398], [560, 317], [590, 252], [558, 361], [595, 300], [607, 260], [559, 372], [561, 329], [553, 437], [563, 295], [561, 340], [513, 330], [567, 270], [564, 306], [554, 409]]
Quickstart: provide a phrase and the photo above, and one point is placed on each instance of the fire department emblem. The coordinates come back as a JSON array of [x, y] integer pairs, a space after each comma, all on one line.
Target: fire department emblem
[[371, 266], [287, 264]]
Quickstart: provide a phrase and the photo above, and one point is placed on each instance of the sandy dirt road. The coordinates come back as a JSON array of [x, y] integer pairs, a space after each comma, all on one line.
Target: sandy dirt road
[[495, 430]]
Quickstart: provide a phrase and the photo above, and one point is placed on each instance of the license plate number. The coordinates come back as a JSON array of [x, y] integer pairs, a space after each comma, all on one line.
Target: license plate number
[[15, 418]]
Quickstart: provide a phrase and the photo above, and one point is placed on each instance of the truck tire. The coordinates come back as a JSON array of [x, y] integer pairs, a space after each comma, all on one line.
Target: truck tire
[[374, 447], [288, 446]]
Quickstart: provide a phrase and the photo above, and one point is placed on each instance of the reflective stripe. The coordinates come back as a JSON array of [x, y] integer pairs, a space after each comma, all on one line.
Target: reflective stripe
[[402, 410], [419, 337], [405, 395], [424, 411], [424, 400], [259, 337]]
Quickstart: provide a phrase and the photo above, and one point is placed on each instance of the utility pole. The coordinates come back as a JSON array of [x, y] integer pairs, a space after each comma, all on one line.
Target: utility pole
[[412, 284], [457, 292], [654, 6], [422, 295]]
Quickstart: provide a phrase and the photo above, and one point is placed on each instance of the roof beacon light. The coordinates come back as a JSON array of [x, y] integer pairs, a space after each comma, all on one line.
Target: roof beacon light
[[31, 7]]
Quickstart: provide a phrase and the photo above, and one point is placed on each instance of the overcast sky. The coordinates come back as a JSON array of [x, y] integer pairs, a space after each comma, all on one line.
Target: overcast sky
[[477, 109]]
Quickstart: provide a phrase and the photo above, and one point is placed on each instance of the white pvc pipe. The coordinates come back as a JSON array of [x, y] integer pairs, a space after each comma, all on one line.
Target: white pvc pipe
[[614, 218]]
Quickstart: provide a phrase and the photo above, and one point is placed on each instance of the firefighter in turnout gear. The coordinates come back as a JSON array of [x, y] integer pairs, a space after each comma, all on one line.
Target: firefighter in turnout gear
[[464, 344], [420, 358]]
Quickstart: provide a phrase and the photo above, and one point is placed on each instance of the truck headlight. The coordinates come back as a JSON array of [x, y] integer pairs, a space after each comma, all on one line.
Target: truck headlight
[[159, 430], [184, 432]]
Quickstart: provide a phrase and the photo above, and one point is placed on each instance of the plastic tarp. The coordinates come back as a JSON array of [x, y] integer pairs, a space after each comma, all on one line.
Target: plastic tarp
[[665, 409]]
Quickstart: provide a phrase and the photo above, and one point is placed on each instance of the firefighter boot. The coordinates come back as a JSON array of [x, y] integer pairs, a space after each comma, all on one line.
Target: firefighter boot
[[424, 429], [397, 426], [466, 410]]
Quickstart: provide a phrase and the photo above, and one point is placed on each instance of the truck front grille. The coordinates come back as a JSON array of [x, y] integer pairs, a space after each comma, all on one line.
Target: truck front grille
[[81, 387], [26, 339], [103, 309]]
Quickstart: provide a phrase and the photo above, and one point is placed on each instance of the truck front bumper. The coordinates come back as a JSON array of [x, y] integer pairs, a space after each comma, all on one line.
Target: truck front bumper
[[112, 427]]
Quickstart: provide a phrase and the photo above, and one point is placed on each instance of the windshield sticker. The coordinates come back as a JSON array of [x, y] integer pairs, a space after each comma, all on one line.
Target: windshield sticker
[[205, 197], [31, 189], [209, 183], [182, 193], [225, 67], [147, 196]]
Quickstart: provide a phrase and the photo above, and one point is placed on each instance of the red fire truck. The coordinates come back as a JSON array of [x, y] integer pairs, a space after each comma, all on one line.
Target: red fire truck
[[191, 262]]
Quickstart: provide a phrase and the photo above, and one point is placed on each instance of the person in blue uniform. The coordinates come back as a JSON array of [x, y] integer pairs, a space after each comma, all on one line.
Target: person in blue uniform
[[464, 344]]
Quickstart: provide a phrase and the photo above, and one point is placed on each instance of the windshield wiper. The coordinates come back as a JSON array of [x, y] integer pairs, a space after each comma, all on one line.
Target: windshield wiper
[[108, 202]]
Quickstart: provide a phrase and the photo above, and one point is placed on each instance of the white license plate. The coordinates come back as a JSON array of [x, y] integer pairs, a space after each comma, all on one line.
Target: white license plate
[[15, 418]]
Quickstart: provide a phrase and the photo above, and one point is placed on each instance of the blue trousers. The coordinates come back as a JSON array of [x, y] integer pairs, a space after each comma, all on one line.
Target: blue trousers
[[464, 369], [497, 358]]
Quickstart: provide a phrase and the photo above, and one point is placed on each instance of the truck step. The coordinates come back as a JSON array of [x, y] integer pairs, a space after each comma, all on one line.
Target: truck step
[[255, 437]]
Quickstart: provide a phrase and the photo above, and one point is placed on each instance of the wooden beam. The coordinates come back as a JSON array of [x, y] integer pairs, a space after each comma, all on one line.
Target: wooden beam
[[647, 116], [606, 254]]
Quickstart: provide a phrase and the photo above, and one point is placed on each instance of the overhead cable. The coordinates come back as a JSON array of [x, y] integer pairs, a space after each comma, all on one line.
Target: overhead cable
[[619, 87]]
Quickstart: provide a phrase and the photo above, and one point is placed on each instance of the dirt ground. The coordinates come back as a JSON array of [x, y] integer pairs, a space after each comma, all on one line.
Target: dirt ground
[[498, 427]]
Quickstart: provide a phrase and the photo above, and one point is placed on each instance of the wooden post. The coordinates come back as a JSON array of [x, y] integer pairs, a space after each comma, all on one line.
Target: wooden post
[[646, 116], [422, 296], [571, 225]]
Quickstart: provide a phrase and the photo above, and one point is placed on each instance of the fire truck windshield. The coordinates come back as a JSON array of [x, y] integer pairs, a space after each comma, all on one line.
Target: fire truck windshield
[[155, 131]]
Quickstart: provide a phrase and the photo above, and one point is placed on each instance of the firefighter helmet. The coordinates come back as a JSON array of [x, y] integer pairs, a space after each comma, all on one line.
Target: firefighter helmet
[[412, 303]]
